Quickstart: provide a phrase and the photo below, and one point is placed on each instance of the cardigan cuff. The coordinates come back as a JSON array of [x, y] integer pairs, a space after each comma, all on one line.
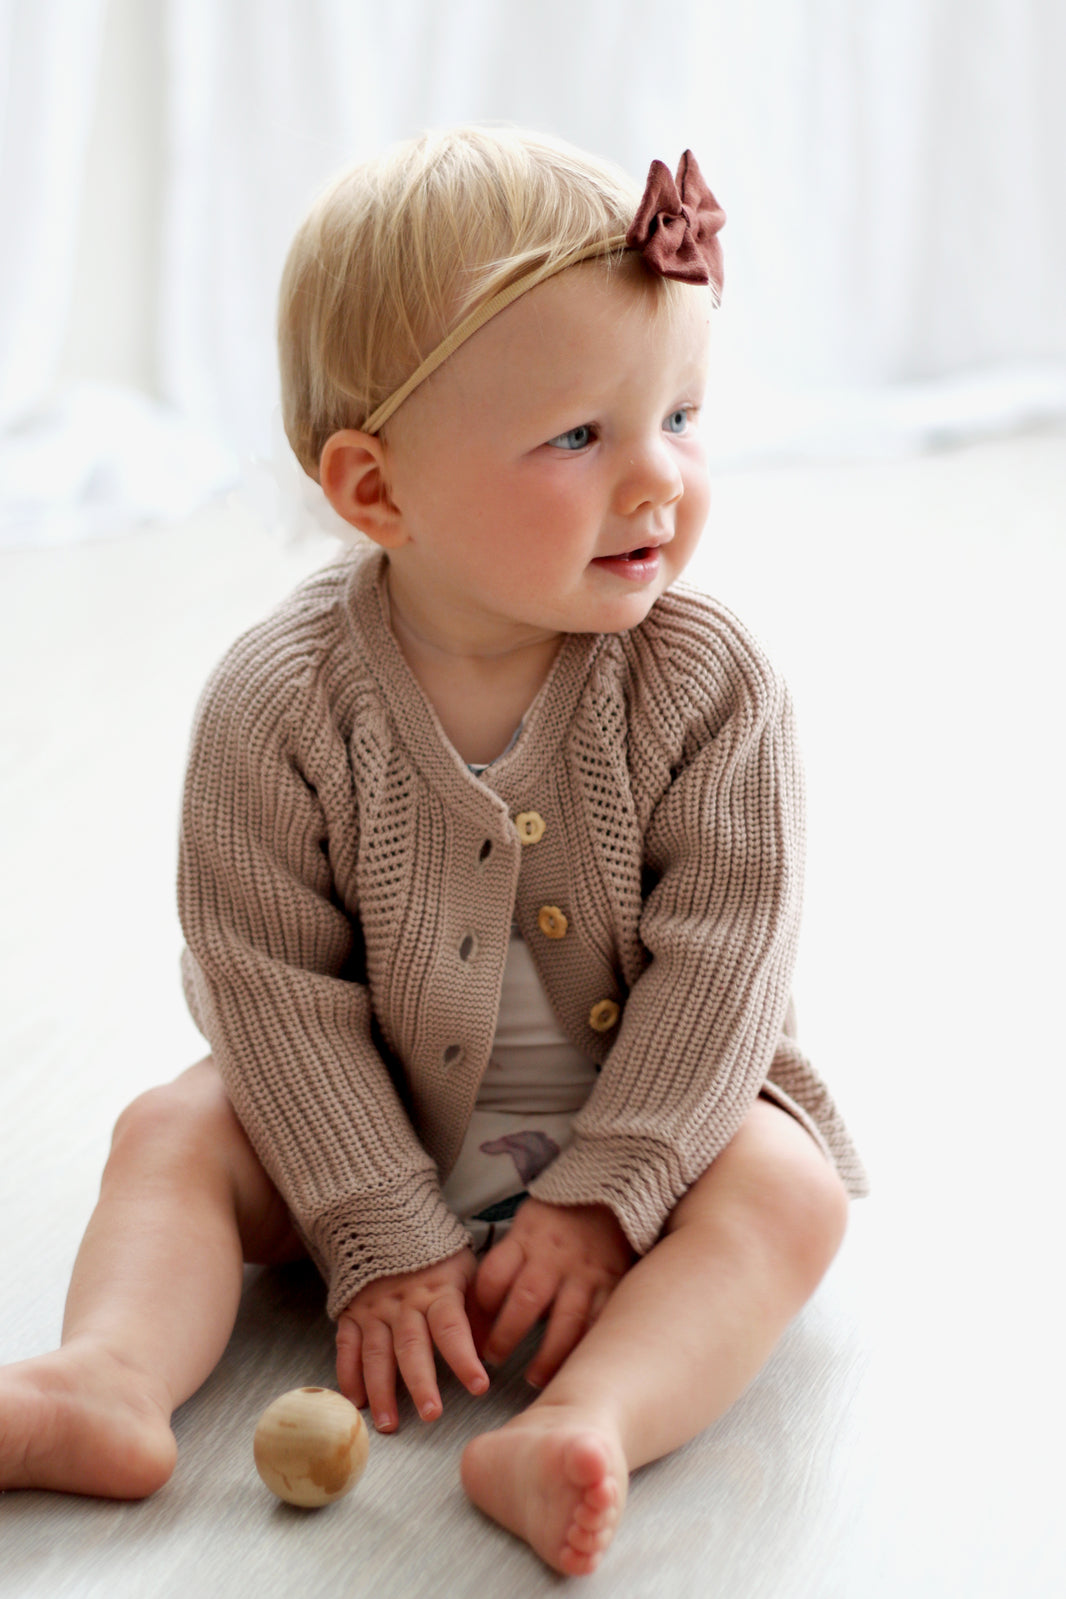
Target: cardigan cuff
[[641, 1180], [380, 1234]]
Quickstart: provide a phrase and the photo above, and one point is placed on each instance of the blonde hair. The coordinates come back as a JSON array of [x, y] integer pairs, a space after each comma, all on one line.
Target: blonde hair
[[397, 251]]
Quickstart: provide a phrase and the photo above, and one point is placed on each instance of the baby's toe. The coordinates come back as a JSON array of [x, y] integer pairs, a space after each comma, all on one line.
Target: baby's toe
[[575, 1563], [587, 1463], [602, 1497], [586, 1540]]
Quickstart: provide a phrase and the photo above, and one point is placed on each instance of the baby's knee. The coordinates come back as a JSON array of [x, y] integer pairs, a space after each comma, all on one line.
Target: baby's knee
[[186, 1133], [807, 1214], [777, 1192], [178, 1121]]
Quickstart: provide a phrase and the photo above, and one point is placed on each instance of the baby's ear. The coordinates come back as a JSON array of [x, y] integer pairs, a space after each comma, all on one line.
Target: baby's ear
[[352, 472]]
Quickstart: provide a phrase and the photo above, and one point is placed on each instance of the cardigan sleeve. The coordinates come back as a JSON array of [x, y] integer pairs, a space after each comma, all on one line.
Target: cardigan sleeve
[[724, 845], [269, 973]]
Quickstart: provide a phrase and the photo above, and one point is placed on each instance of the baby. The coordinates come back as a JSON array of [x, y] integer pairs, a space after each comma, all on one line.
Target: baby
[[490, 877]]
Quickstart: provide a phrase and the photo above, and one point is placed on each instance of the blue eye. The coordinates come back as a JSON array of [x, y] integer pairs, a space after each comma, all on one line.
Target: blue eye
[[678, 421], [574, 439]]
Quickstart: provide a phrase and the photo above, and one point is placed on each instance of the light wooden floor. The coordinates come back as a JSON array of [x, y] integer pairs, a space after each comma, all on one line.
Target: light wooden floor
[[906, 1436]]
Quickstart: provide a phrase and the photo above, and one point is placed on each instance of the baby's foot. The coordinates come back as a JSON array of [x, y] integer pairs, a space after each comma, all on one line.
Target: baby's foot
[[554, 1478], [81, 1421]]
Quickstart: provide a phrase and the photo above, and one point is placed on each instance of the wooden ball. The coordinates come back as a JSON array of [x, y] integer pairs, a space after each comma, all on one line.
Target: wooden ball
[[311, 1446]]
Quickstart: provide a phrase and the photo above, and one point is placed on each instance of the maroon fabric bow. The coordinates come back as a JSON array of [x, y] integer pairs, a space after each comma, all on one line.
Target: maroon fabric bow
[[676, 225]]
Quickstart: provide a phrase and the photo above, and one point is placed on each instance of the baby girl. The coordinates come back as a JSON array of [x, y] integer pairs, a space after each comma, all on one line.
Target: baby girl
[[491, 868]]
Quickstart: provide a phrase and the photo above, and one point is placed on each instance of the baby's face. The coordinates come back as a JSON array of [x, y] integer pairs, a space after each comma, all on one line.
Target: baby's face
[[550, 475]]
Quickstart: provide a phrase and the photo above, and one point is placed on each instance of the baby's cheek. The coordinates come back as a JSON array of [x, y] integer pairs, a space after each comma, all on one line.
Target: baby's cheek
[[697, 496]]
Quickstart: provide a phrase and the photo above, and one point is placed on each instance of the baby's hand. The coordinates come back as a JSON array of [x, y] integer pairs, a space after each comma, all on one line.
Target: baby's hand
[[395, 1322], [566, 1258]]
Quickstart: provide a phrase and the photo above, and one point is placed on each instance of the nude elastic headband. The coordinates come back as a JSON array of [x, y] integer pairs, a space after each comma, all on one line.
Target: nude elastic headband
[[675, 231]]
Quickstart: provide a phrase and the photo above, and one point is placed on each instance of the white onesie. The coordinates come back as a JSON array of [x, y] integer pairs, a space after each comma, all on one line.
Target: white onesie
[[535, 1082]]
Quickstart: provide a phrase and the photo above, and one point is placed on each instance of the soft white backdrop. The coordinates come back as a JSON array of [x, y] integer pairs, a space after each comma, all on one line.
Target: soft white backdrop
[[894, 173]]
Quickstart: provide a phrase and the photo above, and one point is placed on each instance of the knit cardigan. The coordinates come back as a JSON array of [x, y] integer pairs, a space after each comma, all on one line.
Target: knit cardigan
[[347, 888]]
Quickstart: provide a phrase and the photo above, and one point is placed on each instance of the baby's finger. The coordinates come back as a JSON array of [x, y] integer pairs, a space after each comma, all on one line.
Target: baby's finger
[[379, 1374], [496, 1273], [414, 1355], [600, 1297], [349, 1362], [531, 1293], [479, 1319], [454, 1337], [567, 1325]]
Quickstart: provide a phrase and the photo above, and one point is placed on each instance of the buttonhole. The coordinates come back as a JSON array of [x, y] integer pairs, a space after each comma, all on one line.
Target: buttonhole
[[466, 948], [485, 851], [452, 1053]]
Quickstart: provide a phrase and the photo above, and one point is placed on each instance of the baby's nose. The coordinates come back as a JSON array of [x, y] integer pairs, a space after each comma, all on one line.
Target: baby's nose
[[652, 478]]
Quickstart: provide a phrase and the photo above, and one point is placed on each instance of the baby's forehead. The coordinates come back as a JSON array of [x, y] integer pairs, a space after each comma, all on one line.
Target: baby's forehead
[[579, 305], [589, 326], [585, 294], [569, 351]]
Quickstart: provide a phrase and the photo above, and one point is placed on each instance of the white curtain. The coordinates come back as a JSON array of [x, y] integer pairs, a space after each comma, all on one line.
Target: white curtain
[[49, 57], [897, 171], [894, 173]]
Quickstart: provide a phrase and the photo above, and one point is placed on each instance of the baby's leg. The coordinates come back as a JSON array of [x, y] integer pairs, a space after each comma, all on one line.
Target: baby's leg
[[679, 1340], [152, 1300]]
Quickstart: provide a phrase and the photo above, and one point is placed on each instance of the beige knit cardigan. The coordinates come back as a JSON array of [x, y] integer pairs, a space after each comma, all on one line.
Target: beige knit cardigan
[[347, 888]]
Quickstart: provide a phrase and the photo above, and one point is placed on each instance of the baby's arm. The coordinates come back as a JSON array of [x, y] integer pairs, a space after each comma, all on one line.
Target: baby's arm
[[393, 1323], [268, 898], [722, 880], [562, 1261]]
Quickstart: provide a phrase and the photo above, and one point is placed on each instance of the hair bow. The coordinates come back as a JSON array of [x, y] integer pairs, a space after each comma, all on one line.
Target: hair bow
[[676, 225]]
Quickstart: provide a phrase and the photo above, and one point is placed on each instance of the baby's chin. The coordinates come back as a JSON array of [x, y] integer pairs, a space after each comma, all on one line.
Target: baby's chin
[[619, 607]]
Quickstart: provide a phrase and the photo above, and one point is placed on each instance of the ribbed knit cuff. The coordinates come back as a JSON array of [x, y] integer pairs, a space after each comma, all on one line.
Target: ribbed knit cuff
[[403, 1228], [639, 1179]]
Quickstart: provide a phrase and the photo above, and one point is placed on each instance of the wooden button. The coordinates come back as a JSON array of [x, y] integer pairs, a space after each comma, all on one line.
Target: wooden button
[[530, 827], [552, 922], [603, 1015]]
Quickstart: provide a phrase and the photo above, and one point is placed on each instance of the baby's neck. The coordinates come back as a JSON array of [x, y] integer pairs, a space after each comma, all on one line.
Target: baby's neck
[[480, 699], [478, 732]]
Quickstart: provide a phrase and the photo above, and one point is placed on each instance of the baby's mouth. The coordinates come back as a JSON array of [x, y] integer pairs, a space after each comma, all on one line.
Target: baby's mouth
[[642, 562], [643, 553]]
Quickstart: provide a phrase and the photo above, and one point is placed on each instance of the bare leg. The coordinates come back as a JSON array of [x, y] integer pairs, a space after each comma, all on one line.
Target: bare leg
[[679, 1340], [152, 1301]]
